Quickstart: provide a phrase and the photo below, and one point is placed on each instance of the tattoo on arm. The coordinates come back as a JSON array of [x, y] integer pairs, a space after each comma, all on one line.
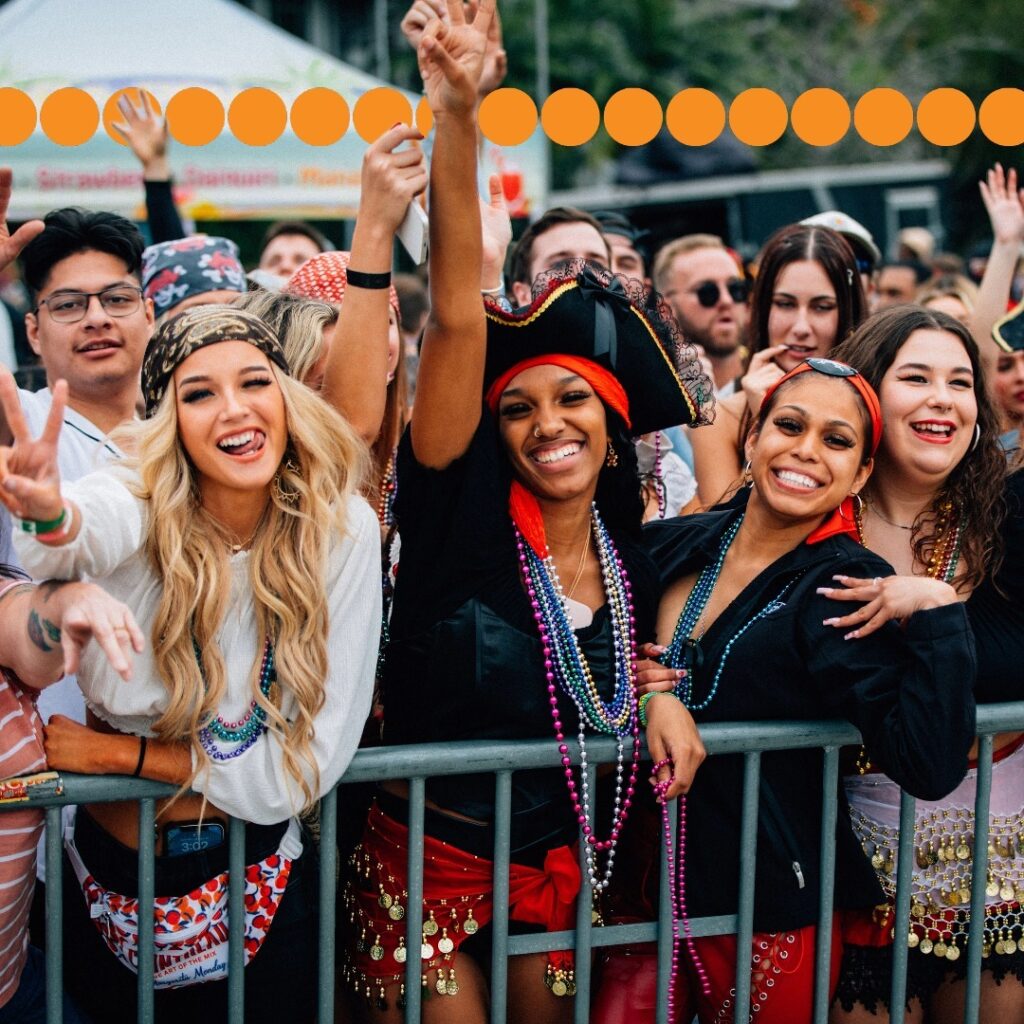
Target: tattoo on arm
[[42, 632]]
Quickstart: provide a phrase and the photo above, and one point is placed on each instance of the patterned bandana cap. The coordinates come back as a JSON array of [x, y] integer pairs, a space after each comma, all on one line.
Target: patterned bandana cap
[[175, 271], [325, 277], [194, 329]]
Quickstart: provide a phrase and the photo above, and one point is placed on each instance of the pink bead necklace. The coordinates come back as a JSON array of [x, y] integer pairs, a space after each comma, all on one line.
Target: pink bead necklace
[[677, 886], [566, 667]]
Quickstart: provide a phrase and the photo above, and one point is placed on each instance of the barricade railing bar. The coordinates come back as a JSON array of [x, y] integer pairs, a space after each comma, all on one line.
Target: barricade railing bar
[[416, 763]]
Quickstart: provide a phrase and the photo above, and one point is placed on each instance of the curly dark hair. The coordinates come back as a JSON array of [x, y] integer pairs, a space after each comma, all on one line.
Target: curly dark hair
[[977, 485]]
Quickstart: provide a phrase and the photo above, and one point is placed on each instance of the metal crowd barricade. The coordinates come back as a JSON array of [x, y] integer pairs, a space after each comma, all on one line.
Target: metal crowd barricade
[[417, 763]]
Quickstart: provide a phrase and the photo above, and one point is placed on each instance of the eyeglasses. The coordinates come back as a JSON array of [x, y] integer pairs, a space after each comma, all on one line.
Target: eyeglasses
[[708, 294], [70, 307]]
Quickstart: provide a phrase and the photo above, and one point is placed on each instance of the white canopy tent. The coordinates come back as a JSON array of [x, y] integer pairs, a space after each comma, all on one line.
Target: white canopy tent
[[104, 46]]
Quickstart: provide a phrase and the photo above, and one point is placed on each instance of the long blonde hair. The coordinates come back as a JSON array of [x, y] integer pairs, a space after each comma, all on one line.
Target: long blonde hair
[[324, 465], [299, 323]]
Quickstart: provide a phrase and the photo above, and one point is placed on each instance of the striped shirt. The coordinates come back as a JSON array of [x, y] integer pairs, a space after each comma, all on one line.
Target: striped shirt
[[21, 752]]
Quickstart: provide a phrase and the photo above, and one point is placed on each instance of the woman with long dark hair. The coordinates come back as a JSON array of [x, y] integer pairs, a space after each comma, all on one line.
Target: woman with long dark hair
[[742, 614], [807, 297], [942, 509]]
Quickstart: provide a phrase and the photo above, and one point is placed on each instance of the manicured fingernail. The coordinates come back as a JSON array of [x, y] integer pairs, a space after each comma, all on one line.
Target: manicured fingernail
[[851, 636], [829, 622], [839, 578], [681, 673], [658, 648], [824, 590]]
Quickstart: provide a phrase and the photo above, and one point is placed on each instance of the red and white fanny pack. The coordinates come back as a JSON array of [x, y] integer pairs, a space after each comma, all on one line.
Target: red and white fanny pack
[[190, 932]]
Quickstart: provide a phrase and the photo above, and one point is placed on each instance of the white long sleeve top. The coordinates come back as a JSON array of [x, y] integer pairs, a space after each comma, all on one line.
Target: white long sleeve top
[[255, 785]]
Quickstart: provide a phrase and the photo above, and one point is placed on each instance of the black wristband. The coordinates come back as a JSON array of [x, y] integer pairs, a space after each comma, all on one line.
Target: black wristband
[[142, 756], [358, 279]]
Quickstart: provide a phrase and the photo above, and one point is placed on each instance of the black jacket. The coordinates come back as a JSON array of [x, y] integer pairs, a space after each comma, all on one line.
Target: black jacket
[[908, 691]]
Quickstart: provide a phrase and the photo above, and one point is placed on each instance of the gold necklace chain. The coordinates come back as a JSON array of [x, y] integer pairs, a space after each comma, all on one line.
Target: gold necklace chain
[[579, 571]]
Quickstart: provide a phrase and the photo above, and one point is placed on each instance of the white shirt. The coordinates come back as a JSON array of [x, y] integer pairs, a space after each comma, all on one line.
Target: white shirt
[[255, 785], [676, 477], [81, 449]]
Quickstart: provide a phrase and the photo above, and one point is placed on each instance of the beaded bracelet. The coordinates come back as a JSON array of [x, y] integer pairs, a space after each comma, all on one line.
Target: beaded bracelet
[[361, 280], [641, 704]]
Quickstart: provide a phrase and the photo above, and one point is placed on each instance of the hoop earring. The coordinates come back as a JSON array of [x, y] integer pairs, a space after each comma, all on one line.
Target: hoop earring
[[977, 436], [286, 497], [858, 509], [748, 477], [611, 460]]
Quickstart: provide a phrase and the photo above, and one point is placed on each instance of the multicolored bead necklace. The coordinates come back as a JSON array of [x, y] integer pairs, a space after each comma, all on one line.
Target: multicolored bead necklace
[[388, 493], [683, 651], [566, 668], [677, 886], [248, 729]]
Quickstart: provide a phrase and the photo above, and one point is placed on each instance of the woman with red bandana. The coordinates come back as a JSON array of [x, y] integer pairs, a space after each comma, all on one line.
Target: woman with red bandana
[[522, 589], [742, 610]]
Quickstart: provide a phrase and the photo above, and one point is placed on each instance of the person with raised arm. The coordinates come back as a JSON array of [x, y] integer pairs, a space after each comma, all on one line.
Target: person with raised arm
[[521, 591]]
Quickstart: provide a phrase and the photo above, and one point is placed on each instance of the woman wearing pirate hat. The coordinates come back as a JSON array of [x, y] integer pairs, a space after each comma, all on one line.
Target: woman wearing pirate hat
[[522, 589]]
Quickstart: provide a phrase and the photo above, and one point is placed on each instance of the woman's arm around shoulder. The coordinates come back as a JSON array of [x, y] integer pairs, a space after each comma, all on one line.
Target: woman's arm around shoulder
[[909, 690]]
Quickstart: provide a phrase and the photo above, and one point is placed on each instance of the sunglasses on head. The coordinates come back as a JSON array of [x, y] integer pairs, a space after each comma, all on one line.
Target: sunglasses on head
[[708, 293]]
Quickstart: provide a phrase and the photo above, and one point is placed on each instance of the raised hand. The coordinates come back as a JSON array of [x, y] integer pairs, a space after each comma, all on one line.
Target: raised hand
[[452, 55], [11, 245], [497, 233], [146, 135], [29, 476], [495, 59], [390, 180], [1004, 203], [419, 16]]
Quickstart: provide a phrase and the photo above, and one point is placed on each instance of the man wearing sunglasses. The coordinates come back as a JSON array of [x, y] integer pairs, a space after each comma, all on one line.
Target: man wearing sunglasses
[[703, 283]]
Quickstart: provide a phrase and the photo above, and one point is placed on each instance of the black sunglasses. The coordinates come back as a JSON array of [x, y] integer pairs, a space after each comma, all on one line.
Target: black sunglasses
[[708, 293], [831, 368]]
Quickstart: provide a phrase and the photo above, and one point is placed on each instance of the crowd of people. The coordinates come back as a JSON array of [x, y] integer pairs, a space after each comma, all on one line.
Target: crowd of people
[[255, 520]]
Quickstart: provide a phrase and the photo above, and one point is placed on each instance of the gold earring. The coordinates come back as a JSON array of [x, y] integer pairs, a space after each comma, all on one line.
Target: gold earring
[[612, 458], [286, 497]]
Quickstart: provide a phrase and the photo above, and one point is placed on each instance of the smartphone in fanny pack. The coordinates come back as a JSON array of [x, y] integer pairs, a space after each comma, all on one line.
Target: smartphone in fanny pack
[[192, 837]]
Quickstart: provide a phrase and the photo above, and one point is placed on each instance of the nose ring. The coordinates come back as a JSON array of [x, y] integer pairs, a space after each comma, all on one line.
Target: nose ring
[[536, 430]]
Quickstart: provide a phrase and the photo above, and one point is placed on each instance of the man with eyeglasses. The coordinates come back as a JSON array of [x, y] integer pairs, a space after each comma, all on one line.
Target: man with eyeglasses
[[705, 287], [89, 324]]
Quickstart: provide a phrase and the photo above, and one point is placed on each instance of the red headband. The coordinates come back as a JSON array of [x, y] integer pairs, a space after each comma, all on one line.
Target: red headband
[[522, 504], [603, 381], [853, 378], [844, 519]]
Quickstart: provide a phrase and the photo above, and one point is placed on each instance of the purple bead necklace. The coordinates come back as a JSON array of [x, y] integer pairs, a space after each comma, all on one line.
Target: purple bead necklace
[[566, 668], [677, 886]]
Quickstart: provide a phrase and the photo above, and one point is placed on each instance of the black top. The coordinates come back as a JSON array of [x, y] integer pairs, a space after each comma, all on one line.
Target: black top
[[908, 691], [996, 609], [465, 660]]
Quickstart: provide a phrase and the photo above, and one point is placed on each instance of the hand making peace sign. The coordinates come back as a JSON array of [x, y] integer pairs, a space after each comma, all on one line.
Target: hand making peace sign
[[29, 477]]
